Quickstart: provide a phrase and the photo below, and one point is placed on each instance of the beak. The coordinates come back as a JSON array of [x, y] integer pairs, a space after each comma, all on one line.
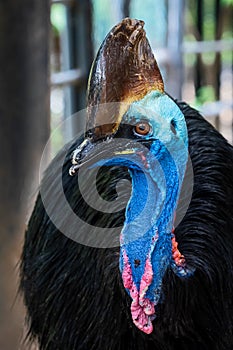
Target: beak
[[108, 152], [90, 153]]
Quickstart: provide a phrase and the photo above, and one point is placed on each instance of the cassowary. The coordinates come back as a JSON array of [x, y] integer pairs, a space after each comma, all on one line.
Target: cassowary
[[130, 245]]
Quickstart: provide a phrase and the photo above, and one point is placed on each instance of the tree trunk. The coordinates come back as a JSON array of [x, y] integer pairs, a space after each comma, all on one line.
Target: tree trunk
[[24, 130], [199, 78]]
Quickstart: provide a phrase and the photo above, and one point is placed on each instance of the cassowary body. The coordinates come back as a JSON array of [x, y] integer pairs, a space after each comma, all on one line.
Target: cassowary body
[[77, 295]]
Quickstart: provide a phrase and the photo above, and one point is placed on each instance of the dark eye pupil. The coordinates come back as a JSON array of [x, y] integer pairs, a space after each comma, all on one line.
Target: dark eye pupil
[[142, 127]]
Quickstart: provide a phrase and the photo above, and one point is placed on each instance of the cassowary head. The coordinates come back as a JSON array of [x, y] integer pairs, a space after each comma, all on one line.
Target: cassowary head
[[133, 123]]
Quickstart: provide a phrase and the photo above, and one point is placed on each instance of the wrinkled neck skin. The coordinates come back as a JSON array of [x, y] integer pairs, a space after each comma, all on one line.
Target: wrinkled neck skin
[[148, 244]]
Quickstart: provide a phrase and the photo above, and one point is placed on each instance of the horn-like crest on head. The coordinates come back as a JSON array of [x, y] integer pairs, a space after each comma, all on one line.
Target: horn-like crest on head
[[124, 71]]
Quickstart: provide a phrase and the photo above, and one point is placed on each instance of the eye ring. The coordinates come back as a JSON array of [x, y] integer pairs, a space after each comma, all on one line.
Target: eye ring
[[142, 128]]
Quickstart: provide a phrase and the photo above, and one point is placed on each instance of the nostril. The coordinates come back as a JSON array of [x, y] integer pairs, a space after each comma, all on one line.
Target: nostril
[[173, 126]]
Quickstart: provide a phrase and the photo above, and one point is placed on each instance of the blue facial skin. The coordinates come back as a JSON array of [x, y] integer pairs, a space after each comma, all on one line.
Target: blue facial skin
[[147, 230]]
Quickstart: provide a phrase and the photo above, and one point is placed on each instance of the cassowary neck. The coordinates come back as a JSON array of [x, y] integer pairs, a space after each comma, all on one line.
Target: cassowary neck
[[147, 238]]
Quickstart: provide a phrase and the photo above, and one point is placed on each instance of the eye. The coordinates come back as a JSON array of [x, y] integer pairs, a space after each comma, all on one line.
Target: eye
[[173, 126], [142, 128]]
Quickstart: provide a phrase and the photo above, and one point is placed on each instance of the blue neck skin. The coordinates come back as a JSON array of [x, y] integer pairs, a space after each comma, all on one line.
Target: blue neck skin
[[149, 218]]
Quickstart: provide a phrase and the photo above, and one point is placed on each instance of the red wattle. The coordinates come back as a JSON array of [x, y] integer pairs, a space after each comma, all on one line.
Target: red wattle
[[142, 309]]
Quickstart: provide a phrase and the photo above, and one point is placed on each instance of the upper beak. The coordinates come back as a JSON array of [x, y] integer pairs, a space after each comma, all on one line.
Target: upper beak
[[89, 153]]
